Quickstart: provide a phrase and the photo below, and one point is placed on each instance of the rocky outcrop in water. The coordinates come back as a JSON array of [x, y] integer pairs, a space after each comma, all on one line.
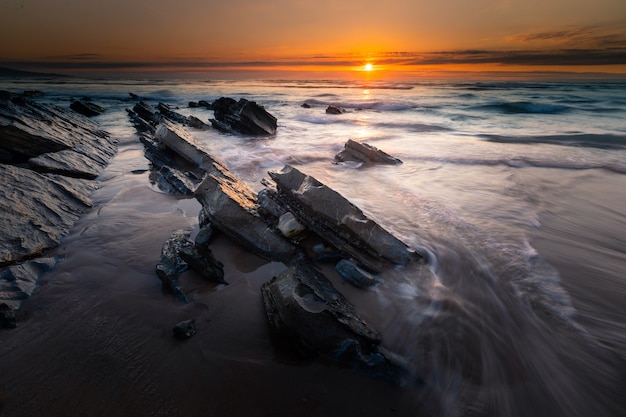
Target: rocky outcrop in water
[[49, 157], [232, 207], [302, 305], [339, 222], [362, 152], [275, 224], [243, 116]]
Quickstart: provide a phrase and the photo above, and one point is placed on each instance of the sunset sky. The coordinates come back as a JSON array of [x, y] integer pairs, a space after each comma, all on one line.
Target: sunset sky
[[325, 36]]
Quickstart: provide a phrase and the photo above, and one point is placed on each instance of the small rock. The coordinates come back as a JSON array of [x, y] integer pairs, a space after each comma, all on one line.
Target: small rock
[[86, 108], [289, 225], [185, 329], [356, 276], [306, 106], [334, 110], [362, 152]]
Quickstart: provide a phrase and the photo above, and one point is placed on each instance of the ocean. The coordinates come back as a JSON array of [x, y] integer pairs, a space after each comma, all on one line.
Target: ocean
[[516, 190]]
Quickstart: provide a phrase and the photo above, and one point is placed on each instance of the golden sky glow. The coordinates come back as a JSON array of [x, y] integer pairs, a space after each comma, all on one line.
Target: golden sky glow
[[395, 36]]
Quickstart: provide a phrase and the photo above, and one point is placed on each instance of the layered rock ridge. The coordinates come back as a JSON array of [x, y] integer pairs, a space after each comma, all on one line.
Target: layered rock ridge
[[49, 159]]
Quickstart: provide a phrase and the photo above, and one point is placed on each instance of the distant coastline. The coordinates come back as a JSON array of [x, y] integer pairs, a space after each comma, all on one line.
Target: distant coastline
[[11, 73]]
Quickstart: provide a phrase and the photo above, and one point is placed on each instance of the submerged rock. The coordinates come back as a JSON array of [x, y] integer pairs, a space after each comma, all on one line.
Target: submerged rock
[[303, 306], [335, 219], [86, 108], [355, 275], [243, 116], [362, 152], [334, 110]]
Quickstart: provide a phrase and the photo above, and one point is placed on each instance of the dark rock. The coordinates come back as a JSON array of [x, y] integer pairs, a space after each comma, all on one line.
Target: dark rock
[[86, 108], [193, 104], [17, 283], [32, 129], [334, 110], [139, 123], [185, 145], [243, 116], [145, 111], [232, 207], [306, 105], [196, 123], [133, 96], [173, 181], [203, 238], [37, 211], [204, 103], [356, 276], [171, 265], [68, 163], [202, 262], [325, 253], [170, 114], [185, 329], [48, 155], [336, 220], [362, 152], [178, 255], [303, 306]]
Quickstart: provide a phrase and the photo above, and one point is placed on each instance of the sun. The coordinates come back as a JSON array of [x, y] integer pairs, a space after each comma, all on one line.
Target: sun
[[368, 67]]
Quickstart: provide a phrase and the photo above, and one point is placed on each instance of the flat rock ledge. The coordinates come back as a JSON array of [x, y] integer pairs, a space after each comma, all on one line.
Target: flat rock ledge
[[49, 158]]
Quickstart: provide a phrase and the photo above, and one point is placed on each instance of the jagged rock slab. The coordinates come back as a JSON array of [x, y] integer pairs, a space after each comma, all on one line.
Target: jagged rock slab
[[185, 145], [335, 219], [243, 116], [37, 210], [54, 139], [17, 283], [179, 254], [231, 206], [302, 304], [68, 163], [170, 114], [48, 155], [362, 152], [171, 265]]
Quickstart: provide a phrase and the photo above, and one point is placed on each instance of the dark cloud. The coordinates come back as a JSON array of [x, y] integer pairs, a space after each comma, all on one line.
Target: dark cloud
[[614, 53]]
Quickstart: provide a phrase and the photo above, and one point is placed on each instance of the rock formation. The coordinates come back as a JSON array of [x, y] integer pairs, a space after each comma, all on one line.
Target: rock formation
[[243, 116], [362, 152], [48, 158], [336, 220], [302, 305]]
